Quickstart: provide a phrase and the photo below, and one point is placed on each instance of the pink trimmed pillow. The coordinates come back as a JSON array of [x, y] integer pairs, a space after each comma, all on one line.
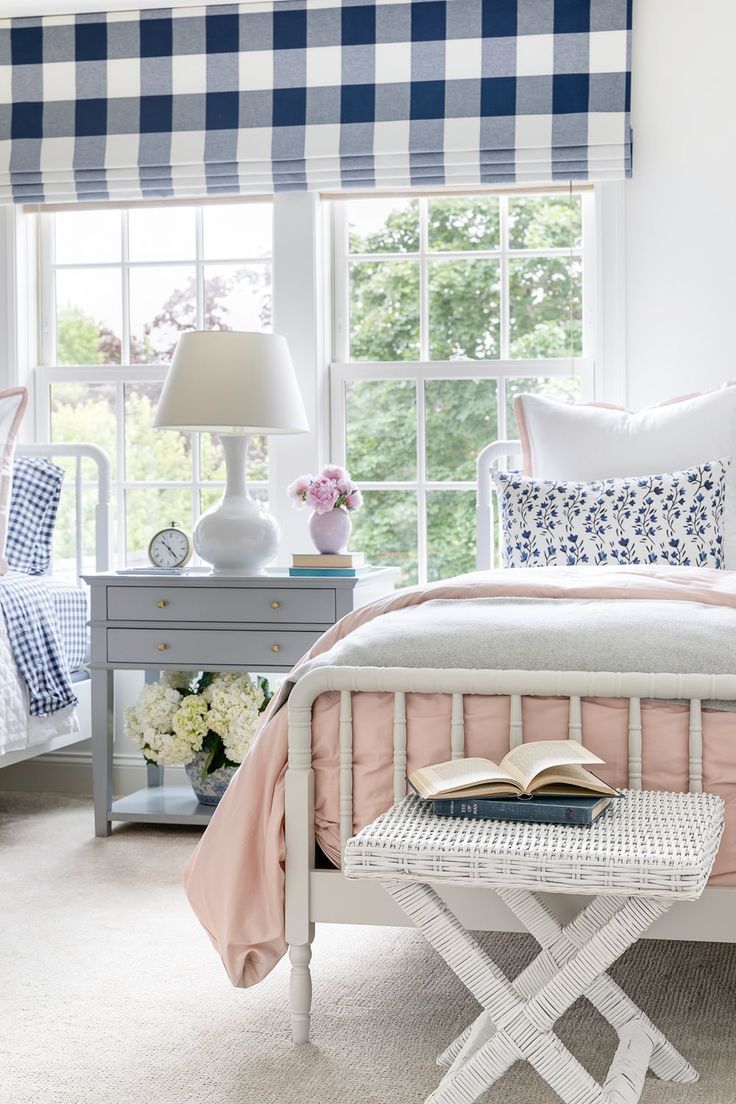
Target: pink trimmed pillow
[[589, 442], [12, 406]]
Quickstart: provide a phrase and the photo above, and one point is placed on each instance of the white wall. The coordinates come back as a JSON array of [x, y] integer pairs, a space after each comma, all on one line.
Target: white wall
[[681, 201]]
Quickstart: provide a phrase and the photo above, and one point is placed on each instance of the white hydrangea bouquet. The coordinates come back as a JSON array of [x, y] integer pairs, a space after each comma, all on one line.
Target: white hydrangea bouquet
[[204, 718]]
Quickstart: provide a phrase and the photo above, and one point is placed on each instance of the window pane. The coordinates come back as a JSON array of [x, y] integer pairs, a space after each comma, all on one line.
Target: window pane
[[564, 388], [152, 454], [80, 412], [386, 530], [384, 310], [450, 533], [237, 297], [461, 417], [383, 226], [237, 230], [545, 307], [381, 429], [545, 222], [163, 303], [162, 234], [88, 316], [83, 237], [212, 458], [150, 509], [464, 310], [85, 412], [461, 224]]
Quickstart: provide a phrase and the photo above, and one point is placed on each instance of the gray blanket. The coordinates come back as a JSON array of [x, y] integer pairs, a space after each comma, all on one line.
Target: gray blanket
[[544, 634]]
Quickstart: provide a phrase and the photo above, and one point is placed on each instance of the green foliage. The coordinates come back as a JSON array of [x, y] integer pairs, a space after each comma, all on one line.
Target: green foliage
[[384, 310], [77, 337], [462, 224]]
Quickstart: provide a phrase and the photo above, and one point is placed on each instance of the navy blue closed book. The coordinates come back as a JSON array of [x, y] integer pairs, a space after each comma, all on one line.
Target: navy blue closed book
[[539, 810]]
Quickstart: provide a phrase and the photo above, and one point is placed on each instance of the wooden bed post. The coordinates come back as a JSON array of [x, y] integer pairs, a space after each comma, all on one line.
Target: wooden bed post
[[299, 832]]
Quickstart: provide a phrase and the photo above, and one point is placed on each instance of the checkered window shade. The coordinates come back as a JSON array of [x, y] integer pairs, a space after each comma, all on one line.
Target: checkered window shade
[[319, 94]]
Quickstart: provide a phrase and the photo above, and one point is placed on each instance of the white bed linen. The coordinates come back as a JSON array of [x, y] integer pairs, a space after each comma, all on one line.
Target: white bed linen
[[18, 730]]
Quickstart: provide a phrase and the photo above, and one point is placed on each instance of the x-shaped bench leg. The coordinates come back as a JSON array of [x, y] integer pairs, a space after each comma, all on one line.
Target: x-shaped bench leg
[[523, 1026], [560, 943]]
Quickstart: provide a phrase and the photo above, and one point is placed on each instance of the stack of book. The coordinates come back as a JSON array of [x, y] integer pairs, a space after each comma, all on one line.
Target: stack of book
[[542, 781], [336, 564]]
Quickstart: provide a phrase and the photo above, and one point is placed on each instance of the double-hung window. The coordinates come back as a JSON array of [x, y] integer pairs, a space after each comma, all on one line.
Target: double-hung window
[[445, 307], [117, 287]]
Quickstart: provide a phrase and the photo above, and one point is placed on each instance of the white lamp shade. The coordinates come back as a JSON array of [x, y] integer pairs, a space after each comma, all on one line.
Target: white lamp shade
[[224, 381]]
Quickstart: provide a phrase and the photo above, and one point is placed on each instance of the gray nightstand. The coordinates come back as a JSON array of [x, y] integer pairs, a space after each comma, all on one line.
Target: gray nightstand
[[198, 621]]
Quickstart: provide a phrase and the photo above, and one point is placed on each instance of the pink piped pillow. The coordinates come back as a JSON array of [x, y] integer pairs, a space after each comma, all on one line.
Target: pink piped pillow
[[588, 442], [12, 406]]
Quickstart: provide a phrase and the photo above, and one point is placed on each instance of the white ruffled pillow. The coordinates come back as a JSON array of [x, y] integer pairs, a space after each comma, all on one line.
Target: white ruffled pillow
[[676, 519], [563, 441]]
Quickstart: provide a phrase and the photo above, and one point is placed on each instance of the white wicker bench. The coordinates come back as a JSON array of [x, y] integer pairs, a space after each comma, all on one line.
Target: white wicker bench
[[647, 851]]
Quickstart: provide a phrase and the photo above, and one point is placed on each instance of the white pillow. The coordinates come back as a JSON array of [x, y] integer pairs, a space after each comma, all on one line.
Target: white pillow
[[582, 442], [12, 405], [675, 519]]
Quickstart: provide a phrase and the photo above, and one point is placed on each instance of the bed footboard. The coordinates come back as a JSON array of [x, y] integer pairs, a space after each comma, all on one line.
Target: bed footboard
[[301, 876]]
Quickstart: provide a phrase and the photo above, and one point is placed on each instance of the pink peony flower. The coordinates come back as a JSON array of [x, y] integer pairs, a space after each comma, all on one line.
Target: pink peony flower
[[344, 486], [354, 500], [298, 489], [322, 495], [332, 471]]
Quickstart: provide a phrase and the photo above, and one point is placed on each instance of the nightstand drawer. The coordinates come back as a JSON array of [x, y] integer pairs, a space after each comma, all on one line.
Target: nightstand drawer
[[269, 604], [209, 649]]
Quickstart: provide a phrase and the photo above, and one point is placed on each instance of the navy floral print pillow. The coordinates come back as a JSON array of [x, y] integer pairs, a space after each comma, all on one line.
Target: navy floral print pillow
[[676, 518]]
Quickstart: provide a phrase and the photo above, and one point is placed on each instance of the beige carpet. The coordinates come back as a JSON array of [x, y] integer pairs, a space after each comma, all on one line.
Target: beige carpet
[[111, 994]]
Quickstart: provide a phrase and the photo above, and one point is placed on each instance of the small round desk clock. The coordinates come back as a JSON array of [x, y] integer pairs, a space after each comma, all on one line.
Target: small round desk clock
[[170, 547]]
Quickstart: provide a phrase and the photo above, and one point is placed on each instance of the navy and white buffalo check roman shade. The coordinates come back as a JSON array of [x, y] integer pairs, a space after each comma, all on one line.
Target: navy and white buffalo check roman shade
[[319, 94]]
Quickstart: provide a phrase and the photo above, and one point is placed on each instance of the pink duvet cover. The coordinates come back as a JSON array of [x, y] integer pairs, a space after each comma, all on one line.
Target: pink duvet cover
[[235, 877]]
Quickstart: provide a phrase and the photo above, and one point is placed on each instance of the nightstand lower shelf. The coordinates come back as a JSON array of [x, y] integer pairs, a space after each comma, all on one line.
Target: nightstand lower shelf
[[162, 805]]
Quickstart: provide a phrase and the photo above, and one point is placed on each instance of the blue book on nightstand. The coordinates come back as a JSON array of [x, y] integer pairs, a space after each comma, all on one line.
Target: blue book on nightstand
[[329, 572], [571, 809]]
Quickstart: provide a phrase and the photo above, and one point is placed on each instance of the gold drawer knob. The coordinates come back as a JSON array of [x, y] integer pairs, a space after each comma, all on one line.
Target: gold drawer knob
[[275, 604], [162, 604], [162, 647], [275, 647]]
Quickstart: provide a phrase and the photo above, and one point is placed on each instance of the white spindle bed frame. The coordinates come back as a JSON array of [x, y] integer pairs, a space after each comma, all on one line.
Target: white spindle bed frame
[[102, 482], [326, 896]]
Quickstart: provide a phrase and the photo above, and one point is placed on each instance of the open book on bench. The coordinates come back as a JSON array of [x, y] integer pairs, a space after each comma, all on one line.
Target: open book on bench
[[545, 767]]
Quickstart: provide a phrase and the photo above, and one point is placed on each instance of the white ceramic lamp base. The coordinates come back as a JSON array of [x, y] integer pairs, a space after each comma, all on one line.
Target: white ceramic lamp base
[[238, 536]]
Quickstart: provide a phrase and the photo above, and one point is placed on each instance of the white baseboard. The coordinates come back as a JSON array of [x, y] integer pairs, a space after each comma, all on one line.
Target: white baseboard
[[70, 772]]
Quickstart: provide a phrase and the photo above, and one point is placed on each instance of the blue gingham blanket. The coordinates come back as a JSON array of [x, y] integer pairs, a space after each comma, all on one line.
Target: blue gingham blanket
[[47, 629]]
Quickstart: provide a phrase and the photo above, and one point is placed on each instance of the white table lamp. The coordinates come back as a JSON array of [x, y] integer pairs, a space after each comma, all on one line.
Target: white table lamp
[[236, 385]]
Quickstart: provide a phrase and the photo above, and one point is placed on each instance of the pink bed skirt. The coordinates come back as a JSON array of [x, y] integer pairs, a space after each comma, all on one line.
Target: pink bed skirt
[[665, 732]]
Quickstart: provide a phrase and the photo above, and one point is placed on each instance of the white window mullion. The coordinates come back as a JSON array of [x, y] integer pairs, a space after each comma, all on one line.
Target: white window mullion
[[340, 284], [504, 277], [122, 541], [421, 483], [501, 408], [47, 291], [423, 281], [125, 350], [196, 438]]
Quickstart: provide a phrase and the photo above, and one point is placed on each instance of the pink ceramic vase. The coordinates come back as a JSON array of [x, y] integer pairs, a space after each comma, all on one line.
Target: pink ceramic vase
[[330, 532]]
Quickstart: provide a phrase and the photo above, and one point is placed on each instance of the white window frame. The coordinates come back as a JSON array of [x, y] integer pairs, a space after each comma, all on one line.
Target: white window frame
[[344, 371], [48, 373], [302, 282]]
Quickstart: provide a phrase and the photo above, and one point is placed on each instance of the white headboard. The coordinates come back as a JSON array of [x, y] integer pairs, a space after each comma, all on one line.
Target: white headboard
[[103, 531], [498, 450]]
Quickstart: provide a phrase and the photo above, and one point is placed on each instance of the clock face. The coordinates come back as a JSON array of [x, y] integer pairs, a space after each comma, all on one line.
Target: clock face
[[170, 548]]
